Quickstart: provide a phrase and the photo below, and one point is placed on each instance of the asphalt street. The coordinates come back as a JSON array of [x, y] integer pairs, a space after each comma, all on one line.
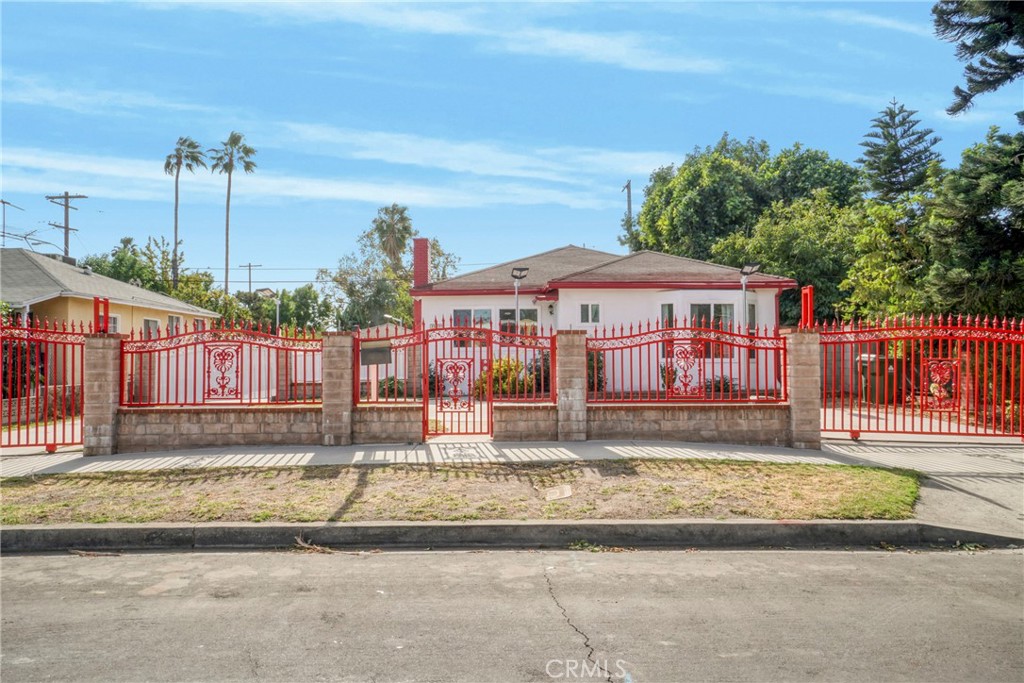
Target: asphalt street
[[515, 616]]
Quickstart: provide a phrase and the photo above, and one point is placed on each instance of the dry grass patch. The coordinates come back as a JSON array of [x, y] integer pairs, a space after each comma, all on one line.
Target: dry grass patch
[[611, 489]]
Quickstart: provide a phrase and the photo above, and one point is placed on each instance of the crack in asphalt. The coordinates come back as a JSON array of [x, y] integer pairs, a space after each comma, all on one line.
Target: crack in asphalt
[[586, 638]]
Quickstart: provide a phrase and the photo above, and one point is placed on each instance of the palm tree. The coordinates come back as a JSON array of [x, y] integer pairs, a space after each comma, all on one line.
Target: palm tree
[[393, 229], [188, 154], [224, 160]]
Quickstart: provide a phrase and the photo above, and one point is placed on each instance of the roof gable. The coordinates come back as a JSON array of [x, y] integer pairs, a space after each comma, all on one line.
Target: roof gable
[[27, 278]]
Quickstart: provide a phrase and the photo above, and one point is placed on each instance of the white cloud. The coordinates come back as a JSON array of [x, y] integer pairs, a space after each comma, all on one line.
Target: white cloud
[[569, 165], [32, 170], [855, 18], [37, 92], [495, 27]]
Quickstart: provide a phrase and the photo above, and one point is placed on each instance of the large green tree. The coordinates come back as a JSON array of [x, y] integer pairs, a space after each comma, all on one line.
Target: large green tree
[[989, 36], [721, 190], [809, 240], [890, 258], [897, 153], [370, 284], [234, 153], [976, 232], [149, 267], [187, 154]]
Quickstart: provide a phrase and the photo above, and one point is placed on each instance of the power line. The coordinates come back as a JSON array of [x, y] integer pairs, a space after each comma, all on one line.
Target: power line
[[65, 201], [5, 205], [250, 266]]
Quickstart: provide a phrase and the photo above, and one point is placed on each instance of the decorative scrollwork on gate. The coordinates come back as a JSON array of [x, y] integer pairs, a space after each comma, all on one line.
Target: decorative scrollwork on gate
[[941, 384], [223, 365], [683, 375], [452, 373]]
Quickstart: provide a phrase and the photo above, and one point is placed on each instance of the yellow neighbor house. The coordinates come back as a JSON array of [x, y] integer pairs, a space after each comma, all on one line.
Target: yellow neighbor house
[[53, 288]]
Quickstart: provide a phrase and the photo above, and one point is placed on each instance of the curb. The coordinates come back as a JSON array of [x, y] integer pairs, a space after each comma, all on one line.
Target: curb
[[738, 534]]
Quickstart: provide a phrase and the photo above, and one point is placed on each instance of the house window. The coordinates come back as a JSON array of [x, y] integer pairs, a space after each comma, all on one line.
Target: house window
[[150, 328], [590, 313], [668, 315], [471, 317], [174, 324], [114, 326], [198, 324], [528, 320], [715, 316]]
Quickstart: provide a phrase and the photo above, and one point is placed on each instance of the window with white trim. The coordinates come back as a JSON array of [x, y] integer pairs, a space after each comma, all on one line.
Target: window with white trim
[[174, 324], [714, 316], [150, 328], [528, 320], [590, 314], [115, 323]]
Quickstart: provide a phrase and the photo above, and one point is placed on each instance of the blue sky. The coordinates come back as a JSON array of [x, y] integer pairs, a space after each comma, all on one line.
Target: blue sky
[[507, 129]]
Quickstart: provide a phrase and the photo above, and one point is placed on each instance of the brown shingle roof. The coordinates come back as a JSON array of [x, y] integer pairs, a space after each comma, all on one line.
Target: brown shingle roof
[[656, 267], [571, 265], [543, 267]]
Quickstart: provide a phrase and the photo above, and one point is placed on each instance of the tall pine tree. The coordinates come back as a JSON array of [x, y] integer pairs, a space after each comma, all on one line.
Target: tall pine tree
[[976, 232], [897, 153], [982, 31]]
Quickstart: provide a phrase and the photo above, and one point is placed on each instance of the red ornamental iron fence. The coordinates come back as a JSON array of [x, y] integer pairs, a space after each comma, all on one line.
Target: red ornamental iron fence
[[42, 378], [224, 364], [696, 361], [957, 376], [474, 362]]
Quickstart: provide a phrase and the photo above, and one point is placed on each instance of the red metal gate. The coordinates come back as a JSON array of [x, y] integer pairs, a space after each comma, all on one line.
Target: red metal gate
[[457, 370], [42, 368], [957, 376]]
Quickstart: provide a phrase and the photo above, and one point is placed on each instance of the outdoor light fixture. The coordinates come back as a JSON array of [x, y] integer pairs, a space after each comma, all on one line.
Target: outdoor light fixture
[[268, 293], [518, 274], [750, 269], [746, 271], [397, 321]]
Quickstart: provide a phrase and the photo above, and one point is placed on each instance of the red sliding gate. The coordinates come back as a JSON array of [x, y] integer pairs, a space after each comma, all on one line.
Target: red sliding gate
[[42, 377], [954, 376]]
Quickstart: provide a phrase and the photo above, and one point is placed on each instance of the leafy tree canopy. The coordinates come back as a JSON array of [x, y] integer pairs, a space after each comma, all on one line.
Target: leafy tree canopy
[[990, 37], [374, 282], [976, 231], [724, 189], [809, 240]]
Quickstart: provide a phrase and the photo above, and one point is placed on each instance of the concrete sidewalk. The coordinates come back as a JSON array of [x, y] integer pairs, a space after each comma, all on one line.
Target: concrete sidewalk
[[974, 487]]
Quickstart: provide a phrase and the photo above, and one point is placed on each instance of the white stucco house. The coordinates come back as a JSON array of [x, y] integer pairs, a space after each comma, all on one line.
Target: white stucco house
[[577, 288]]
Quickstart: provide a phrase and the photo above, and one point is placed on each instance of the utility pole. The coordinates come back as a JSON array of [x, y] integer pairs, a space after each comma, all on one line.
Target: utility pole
[[65, 201], [628, 189], [6, 204], [250, 266]]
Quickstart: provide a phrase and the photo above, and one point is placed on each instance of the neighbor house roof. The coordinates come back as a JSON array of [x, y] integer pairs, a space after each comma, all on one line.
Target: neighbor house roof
[[576, 267], [28, 278]]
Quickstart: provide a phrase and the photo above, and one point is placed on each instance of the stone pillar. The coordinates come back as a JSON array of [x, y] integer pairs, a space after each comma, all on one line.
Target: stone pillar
[[804, 380], [571, 384], [338, 377], [101, 393]]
